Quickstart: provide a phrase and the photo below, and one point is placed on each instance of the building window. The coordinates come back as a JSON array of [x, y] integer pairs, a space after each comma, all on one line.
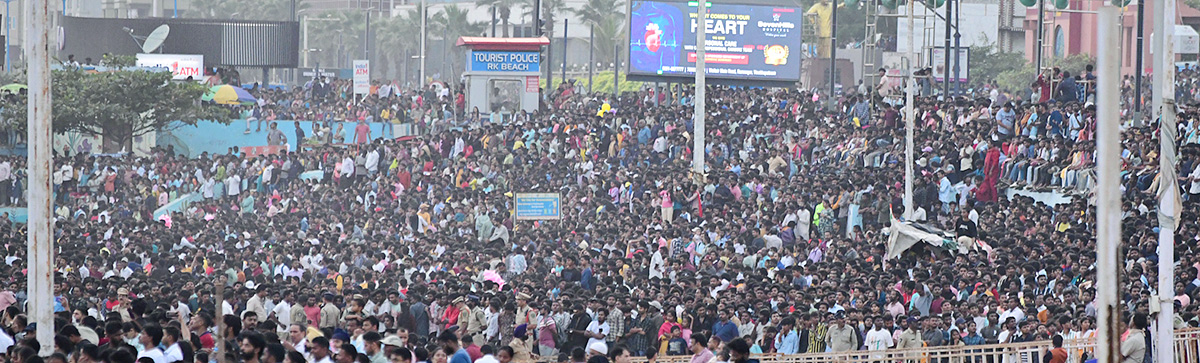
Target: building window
[[1060, 41]]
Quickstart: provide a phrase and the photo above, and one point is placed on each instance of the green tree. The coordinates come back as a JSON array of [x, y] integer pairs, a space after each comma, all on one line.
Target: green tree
[[1020, 78], [608, 18], [987, 63], [274, 10], [550, 11], [121, 105], [504, 9], [451, 23]]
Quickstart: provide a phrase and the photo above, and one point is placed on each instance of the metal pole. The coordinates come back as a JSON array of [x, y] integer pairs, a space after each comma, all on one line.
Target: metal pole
[[175, 10], [563, 69], [1156, 48], [1108, 189], [946, 54], [1041, 28], [1169, 203], [591, 54], [293, 13], [698, 113], [304, 28], [424, 34], [1137, 71], [550, 67], [957, 47], [367, 39], [7, 37], [537, 18], [833, 57], [493, 20], [616, 68], [909, 115], [40, 241]]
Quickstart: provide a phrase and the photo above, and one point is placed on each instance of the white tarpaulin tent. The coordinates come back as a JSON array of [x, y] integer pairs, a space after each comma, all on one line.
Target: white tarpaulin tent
[[904, 235]]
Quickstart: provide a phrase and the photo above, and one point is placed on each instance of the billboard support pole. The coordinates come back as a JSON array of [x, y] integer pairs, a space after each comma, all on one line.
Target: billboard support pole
[[698, 113], [616, 67], [424, 34]]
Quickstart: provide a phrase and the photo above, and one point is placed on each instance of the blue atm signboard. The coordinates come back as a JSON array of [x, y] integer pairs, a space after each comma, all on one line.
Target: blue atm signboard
[[537, 206], [503, 61]]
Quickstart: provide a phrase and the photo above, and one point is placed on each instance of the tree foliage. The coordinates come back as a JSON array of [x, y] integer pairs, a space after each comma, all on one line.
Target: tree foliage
[[608, 18], [274, 10], [1019, 78], [121, 105], [987, 63]]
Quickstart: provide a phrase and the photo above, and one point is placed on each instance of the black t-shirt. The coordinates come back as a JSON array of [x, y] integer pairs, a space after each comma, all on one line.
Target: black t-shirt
[[965, 227]]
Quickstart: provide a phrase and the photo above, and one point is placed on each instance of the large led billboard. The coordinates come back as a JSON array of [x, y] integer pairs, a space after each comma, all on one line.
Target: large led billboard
[[751, 42]]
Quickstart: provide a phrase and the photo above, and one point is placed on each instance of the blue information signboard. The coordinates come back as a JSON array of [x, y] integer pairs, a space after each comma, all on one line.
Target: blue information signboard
[[535, 206], [503, 61]]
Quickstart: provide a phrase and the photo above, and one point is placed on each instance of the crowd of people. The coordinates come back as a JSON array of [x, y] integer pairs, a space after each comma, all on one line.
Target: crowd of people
[[405, 249]]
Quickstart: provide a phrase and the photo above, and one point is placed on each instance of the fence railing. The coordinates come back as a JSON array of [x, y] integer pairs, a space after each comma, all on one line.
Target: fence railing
[[1187, 349]]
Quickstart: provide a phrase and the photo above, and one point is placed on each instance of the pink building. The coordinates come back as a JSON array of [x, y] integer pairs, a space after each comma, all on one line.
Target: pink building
[[1073, 31]]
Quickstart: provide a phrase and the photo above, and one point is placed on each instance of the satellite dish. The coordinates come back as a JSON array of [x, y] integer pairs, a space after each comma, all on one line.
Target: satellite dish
[[156, 38]]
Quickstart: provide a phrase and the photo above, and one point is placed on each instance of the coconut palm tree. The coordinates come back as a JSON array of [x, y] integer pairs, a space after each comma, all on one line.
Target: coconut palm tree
[[451, 23], [277, 10], [550, 11], [608, 18], [504, 10]]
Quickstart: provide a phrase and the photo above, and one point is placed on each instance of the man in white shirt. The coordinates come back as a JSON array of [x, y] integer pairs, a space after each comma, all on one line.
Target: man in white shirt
[[1013, 311], [879, 338], [488, 355], [150, 338], [282, 310], [170, 339], [598, 329]]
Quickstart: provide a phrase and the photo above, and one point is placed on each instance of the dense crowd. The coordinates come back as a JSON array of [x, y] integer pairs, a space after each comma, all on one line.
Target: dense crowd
[[405, 250]]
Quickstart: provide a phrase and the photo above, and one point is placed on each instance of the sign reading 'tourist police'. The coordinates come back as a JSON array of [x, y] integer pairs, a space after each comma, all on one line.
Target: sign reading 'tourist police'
[[503, 61]]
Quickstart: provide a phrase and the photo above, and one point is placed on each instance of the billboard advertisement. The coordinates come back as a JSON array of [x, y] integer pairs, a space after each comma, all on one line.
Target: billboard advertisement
[[182, 66], [938, 58], [362, 77], [744, 41]]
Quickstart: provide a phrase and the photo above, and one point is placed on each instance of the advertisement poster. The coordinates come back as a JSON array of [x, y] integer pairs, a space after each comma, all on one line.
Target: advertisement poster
[[938, 59], [751, 42], [362, 77], [182, 66]]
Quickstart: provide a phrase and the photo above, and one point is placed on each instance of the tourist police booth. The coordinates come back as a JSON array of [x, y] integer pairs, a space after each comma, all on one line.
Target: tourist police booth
[[502, 73]]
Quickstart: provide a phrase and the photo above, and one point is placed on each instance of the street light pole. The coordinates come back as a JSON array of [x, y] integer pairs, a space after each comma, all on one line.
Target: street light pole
[[698, 113], [424, 34]]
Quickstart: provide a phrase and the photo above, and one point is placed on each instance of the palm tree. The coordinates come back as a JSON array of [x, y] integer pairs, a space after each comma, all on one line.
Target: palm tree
[[504, 10], [278, 10], [607, 16], [394, 39], [342, 36], [451, 22], [550, 8]]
